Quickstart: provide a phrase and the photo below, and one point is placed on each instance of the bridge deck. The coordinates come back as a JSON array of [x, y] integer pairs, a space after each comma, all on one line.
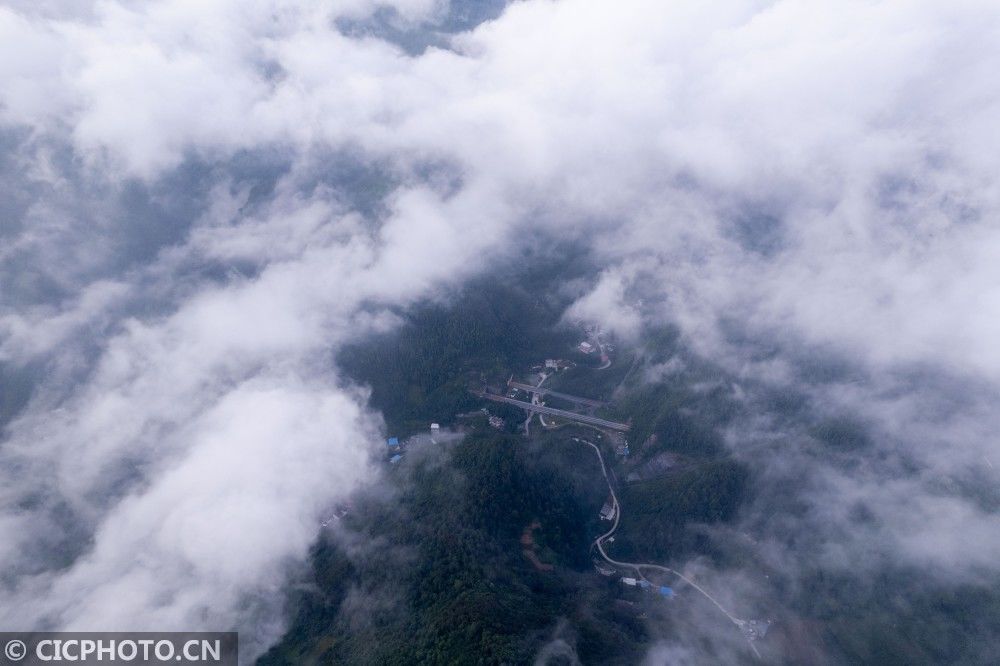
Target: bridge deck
[[561, 413], [555, 394]]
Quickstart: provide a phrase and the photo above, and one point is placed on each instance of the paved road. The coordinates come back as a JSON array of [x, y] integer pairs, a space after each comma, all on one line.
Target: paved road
[[551, 411], [638, 567], [534, 399], [555, 394]]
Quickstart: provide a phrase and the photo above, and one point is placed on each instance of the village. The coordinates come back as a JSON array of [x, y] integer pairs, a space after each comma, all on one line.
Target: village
[[576, 413]]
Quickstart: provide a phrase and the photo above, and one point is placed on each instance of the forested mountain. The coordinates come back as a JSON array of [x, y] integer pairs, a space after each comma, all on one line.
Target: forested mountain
[[479, 550], [447, 581]]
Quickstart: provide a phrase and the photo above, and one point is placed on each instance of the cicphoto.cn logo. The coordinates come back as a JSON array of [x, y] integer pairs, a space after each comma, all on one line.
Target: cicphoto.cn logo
[[140, 648]]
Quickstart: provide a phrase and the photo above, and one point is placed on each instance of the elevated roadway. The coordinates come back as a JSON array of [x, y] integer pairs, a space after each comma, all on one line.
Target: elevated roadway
[[555, 394], [552, 411]]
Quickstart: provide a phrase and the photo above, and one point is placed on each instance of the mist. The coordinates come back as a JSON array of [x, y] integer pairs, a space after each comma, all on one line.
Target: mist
[[203, 202]]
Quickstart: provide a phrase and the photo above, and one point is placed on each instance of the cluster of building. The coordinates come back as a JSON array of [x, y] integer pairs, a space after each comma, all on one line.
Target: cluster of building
[[553, 364], [754, 630], [608, 511], [395, 449], [494, 420], [642, 584], [557, 364], [338, 513]]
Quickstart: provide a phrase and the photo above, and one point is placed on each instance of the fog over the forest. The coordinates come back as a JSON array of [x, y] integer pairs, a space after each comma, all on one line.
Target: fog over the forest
[[201, 201]]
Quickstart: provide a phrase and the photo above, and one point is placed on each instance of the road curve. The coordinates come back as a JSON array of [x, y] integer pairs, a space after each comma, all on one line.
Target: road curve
[[638, 567]]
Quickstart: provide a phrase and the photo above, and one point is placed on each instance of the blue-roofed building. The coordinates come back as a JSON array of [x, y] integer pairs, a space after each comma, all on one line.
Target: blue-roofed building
[[666, 591], [645, 584], [392, 442], [396, 458]]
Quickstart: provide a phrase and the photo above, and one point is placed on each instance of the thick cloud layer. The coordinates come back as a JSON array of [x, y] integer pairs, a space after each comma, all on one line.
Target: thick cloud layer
[[208, 197]]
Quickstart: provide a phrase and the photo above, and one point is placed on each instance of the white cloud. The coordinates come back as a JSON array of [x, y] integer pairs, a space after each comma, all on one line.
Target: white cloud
[[821, 175]]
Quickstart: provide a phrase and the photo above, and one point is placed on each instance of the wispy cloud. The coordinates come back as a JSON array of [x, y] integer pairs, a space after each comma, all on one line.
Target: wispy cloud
[[181, 253]]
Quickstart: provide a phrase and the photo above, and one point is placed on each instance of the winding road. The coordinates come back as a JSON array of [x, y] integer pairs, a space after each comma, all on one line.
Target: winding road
[[638, 567]]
